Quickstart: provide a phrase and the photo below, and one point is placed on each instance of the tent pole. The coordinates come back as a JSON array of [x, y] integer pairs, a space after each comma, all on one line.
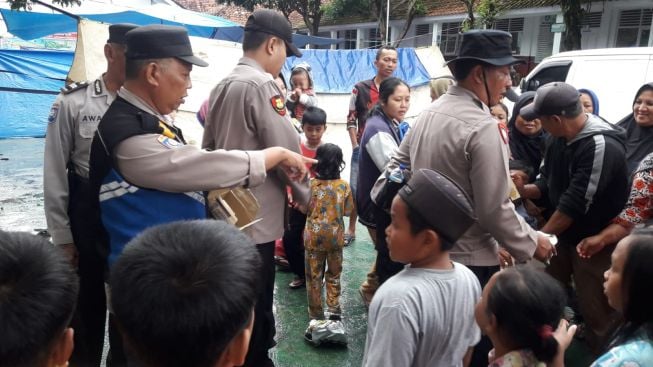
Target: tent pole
[[77, 17]]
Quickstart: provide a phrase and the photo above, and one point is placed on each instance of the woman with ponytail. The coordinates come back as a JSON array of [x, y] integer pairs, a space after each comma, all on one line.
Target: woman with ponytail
[[519, 311]]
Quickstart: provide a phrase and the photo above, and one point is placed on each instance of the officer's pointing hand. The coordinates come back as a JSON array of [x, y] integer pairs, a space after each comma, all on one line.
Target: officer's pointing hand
[[293, 164]]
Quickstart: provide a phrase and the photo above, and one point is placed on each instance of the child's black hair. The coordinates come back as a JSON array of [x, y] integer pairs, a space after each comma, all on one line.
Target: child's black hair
[[528, 305], [182, 291], [314, 116], [329, 162], [38, 294], [519, 165], [504, 107], [636, 285]]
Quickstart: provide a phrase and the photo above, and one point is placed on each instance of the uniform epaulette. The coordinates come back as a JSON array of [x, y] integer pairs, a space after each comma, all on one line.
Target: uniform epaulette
[[74, 86]]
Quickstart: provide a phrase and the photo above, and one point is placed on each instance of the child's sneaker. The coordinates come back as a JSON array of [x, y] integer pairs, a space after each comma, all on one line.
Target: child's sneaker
[[325, 331]]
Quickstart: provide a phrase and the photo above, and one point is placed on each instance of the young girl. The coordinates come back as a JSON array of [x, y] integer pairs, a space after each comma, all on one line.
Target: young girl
[[519, 310], [500, 113], [301, 94], [330, 200], [628, 285]]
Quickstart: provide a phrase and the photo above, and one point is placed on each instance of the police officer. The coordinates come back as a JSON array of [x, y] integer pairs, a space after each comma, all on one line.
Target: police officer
[[74, 116], [247, 111], [141, 170], [457, 136]]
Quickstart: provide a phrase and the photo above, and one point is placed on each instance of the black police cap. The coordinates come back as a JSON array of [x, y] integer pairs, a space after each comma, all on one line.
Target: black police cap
[[274, 23], [160, 42], [118, 31], [490, 46]]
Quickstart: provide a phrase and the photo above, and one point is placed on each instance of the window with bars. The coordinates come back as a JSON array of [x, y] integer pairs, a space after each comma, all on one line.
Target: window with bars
[[349, 36], [373, 38], [450, 38], [326, 34], [514, 26], [423, 35], [634, 28], [592, 20]]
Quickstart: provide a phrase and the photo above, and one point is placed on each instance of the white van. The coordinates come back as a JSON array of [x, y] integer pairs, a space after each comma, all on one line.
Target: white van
[[614, 74]]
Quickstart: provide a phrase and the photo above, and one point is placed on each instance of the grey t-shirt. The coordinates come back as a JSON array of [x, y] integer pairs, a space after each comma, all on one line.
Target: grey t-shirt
[[423, 317]]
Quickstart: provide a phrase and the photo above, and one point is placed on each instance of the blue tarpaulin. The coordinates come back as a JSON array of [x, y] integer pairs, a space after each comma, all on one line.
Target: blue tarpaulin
[[30, 80], [29, 83], [30, 25], [336, 71]]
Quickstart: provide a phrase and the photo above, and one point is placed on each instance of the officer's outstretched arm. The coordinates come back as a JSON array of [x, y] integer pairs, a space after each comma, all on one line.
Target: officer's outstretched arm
[[293, 164]]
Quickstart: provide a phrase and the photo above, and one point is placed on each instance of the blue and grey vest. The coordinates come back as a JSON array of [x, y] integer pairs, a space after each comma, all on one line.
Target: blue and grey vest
[[127, 209]]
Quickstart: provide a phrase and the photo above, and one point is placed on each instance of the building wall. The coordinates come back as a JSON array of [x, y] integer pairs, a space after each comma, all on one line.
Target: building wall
[[536, 40]]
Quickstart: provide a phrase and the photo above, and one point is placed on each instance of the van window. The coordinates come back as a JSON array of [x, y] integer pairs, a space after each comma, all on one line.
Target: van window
[[553, 73]]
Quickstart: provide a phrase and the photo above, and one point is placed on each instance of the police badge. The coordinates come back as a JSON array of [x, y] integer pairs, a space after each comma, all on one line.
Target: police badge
[[278, 105], [54, 111]]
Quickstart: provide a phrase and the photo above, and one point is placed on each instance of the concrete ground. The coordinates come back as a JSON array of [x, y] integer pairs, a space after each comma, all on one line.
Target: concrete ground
[[291, 314]]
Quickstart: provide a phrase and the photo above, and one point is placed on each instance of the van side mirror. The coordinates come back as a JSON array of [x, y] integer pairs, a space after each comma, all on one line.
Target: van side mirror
[[533, 84]]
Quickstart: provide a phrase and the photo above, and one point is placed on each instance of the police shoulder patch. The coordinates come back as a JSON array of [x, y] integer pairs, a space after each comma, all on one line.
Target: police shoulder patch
[[168, 142], [278, 105], [54, 112], [74, 86]]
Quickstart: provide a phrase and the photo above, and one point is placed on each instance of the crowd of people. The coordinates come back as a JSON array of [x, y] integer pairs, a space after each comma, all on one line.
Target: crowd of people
[[499, 237]]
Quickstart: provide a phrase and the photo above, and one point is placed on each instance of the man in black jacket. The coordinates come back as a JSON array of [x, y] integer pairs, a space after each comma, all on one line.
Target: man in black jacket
[[584, 178]]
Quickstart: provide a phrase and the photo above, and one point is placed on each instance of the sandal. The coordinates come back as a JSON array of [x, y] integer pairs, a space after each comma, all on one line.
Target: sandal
[[349, 239], [297, 283]]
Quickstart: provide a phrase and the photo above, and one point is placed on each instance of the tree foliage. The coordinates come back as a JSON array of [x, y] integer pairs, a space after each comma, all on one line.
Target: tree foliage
[[310, 10], [489, 12], [26, 4]]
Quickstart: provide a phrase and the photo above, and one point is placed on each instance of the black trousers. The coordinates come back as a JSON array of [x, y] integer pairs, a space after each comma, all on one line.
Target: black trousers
[[293, 242], [264, 330], [481, 350], [91, 242], [385, 267]]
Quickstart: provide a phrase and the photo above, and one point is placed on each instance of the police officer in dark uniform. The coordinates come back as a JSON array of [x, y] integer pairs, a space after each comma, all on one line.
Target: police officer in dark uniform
[[73, 118]]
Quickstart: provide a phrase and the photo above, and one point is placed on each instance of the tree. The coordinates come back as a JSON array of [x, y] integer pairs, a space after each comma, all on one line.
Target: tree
[[310, 10], [23, 4], [470, 20], [404, 9], [573, 15], [489, 12], [409, 9]]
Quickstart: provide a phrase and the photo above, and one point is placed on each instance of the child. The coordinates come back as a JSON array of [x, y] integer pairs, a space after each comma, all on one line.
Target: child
[[331, 199], [424, 315], [519, 310], [500, 113], [38, 293], [301, 94], [520, 173], [314, 126], [183, 294], [628, 284]]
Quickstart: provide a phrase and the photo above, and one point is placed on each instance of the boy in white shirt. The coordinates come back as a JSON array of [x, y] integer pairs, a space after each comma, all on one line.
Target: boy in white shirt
[[424, 315]]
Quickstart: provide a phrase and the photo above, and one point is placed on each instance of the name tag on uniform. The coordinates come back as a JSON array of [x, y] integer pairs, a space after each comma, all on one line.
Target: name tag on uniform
[[167, 142]]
